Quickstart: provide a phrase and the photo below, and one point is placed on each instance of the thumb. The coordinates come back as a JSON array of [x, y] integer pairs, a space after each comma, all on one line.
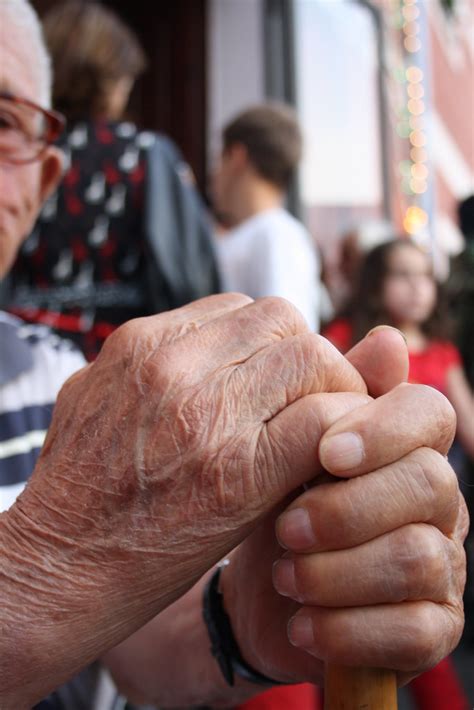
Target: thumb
[[381, 358], [289, 448]]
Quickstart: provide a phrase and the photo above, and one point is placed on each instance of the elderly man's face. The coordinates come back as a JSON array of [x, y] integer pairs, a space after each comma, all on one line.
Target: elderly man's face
[[23, 188]]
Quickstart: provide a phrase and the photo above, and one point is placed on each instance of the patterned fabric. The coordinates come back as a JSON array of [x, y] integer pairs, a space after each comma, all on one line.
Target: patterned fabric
[[81, 270], [34, 364]]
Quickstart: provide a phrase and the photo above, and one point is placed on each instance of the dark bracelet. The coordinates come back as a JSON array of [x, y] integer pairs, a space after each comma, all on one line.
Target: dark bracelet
[[224, 647]]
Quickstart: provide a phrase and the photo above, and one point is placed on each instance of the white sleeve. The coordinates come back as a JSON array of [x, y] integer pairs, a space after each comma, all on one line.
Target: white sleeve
[[286, 265]]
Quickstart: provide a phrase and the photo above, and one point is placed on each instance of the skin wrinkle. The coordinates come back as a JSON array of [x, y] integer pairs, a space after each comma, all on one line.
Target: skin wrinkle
[[417, 494], [330, 645], [425, 486], [139, 458], [263, 455], [417, 572], [179, 330], [336, 515], [42, 574], [185, 425], [393, 570]]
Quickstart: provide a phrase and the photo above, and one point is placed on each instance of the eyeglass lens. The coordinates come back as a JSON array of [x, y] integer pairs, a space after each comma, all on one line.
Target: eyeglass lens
[[22, 131]]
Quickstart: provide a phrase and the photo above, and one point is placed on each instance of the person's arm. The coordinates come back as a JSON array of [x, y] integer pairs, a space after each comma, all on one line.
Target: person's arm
[[462, 399], [169, 662], [60, 609]]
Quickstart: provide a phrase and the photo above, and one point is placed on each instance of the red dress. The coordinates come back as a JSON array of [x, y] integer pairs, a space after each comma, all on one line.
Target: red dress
[[286, 697], [427, 367]]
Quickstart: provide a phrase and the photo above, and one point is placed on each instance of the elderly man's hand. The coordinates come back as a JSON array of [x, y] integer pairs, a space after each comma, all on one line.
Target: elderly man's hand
[[165, 452], [375, 560]]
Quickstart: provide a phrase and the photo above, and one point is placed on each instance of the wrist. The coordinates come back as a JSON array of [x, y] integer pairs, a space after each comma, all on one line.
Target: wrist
[[224, 646]]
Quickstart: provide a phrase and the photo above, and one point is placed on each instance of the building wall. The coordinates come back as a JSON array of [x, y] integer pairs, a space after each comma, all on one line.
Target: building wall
[[452, 135], [235, 62]]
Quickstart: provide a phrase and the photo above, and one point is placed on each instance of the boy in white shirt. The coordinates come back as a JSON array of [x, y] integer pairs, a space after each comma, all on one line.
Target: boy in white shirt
[[267, 252]]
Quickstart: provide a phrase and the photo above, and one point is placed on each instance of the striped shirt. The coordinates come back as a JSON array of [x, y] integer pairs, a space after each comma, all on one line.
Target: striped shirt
[[34, 364]]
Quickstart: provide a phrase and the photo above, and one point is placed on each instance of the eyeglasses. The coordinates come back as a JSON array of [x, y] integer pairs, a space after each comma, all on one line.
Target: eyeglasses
[[26, 129]]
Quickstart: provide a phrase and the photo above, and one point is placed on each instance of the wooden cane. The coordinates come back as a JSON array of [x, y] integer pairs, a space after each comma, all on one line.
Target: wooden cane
[[359, 688]]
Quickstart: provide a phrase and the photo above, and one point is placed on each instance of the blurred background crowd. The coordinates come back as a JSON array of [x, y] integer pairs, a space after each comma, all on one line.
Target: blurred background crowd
[[320, 150]]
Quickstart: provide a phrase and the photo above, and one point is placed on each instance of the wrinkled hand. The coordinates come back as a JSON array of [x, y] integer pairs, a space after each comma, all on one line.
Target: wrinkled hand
[[374, 569], [189, 427]]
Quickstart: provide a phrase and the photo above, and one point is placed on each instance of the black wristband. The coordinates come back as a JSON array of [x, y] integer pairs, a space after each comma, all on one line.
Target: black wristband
[[224, 647]]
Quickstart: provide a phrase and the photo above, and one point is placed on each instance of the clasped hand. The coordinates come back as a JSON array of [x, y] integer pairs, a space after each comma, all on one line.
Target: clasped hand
[[183, 439]]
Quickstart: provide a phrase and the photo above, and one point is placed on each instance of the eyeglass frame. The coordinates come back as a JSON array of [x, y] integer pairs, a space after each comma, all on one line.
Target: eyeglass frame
[[55, 123]]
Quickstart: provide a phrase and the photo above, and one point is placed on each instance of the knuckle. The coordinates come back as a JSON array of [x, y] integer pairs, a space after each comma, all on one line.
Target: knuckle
[[442, 414], [458, 571], [282, 311], [332, 523], [164, 370], [437, 479], [232, 298], [424, 638], [419, 555], [123, 340], [433, 632], [321, 358]]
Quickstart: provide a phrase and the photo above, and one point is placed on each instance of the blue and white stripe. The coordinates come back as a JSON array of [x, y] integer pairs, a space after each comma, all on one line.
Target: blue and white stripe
[[34, 364]]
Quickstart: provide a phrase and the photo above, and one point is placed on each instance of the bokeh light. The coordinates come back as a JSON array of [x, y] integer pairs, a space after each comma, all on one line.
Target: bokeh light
[[415, 91], [411, 28], [415, 219], [418, 186], [418, 139], [410, 12], [404, 129], [418, 155], [416, 106], [414, 74], [419, 171], [412, 44], [405, 168]]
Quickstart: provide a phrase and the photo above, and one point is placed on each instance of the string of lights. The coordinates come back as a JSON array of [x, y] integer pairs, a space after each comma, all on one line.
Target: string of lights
[[413, 169]]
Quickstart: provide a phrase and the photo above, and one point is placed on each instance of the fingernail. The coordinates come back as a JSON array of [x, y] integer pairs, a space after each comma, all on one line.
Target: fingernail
[[341, 452], [300, 631], [387, 327], [283, 574], [294, 530]]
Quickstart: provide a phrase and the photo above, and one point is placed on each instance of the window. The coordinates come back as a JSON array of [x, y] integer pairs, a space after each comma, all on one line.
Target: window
[[336, 46]]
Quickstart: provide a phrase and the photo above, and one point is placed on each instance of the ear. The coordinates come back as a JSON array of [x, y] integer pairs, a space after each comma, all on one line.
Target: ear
[[238, 156], [51, 171]]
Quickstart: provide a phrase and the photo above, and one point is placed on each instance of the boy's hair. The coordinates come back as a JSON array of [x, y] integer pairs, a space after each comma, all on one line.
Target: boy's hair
[[272, 137], [90, 47]]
